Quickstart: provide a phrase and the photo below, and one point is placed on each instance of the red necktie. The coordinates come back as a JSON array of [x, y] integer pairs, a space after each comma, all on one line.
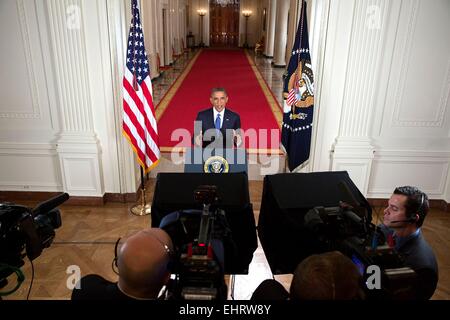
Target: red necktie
[[391, 240]]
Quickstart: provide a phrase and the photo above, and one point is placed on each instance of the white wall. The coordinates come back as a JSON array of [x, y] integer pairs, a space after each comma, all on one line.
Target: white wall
[[29, 122], [382, 99], [382, 71], [411, 122], [61, 104]]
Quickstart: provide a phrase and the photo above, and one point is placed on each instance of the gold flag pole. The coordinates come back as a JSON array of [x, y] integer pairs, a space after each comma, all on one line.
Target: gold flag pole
[[142, 209]]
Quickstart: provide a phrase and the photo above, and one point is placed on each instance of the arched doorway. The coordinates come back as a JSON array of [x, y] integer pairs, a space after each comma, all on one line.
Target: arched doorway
[[224, 24]]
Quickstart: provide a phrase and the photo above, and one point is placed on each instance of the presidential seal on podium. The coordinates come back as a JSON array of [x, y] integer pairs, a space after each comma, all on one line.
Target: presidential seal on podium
[[216, 164]]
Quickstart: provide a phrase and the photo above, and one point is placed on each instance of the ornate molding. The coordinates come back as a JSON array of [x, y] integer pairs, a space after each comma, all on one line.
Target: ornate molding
[[365, 56], [32, 81], [409, 167], [69, 46], [445, 94], [404, 71]]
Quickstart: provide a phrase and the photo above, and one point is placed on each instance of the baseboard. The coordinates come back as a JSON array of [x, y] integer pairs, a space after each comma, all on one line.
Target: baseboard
[[121, 197], [22, 196], [435, 204], [446, 206]]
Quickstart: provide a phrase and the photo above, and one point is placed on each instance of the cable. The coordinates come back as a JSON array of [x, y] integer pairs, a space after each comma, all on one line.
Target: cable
[[113, 267], [232, 286], [20, 278], [32, 278]]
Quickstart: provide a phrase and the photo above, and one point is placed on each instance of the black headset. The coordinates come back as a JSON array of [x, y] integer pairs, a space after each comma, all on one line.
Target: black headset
[[115, 267], [422, 201], [419, 210]]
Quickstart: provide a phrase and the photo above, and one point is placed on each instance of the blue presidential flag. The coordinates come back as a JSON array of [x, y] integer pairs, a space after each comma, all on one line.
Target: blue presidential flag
[[298, 93]]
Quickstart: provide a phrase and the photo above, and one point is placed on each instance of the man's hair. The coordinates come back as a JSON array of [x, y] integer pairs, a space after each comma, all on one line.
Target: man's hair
[[218, 89], [326, 276], [416, 203]]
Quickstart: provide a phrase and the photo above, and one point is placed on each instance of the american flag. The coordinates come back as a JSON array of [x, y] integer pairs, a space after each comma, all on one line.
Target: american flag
[[139, 122], [292, 96]]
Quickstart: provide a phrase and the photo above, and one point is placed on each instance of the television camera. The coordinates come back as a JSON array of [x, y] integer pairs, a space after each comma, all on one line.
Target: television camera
[[202, 242], [345, 228], [26, 232]]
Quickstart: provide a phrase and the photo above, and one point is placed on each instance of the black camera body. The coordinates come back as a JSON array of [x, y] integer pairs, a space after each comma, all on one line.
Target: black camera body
[[198, 237], [25, 232], [347, 230]]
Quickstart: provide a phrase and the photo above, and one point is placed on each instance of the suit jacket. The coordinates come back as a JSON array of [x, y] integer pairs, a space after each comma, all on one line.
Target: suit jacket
[[418, 255], [231, 121], [95, 287]]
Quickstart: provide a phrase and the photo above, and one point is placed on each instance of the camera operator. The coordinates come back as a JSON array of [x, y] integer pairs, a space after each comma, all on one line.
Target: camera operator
[[143, 268], [403, 217], [326, 276]]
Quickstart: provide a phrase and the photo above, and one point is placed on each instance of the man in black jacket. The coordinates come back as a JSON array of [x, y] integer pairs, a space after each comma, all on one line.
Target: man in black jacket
[[142, 263], [403, 217]]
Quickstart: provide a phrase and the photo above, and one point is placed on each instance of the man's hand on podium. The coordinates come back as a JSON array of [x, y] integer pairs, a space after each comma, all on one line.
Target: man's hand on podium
[[199, 139], [237, 138]]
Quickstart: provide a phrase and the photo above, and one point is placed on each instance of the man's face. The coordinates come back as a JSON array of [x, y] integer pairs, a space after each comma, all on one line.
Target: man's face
[[395, 210], [219, 100]]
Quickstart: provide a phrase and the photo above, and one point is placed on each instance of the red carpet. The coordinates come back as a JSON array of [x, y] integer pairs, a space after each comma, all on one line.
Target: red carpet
[[249, 96]]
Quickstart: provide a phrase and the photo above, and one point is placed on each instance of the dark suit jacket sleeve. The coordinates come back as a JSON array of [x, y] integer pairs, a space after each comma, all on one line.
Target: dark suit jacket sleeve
[[238, 123]]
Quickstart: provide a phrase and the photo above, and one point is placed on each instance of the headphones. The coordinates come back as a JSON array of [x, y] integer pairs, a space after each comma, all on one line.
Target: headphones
[[414, 218], [115, 267], [422, 201]]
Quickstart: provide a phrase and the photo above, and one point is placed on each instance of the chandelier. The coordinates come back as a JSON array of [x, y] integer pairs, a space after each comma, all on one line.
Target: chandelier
[[225, 3]]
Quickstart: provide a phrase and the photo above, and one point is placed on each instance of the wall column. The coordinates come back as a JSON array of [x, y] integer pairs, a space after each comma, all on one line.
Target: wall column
[[149, 21], [279, 57], [77, 147], [353, 150], [294, 17], [271, 18]]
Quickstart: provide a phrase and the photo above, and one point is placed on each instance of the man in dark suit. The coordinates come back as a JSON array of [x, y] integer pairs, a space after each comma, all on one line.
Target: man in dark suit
[[217, 127], [403, 218]]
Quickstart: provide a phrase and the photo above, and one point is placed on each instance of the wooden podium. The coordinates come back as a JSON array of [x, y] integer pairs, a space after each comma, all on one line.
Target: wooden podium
[[215, 160]]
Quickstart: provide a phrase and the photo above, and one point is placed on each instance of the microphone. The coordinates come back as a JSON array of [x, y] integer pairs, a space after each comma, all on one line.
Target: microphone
[[410, 220], [50, 204]]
